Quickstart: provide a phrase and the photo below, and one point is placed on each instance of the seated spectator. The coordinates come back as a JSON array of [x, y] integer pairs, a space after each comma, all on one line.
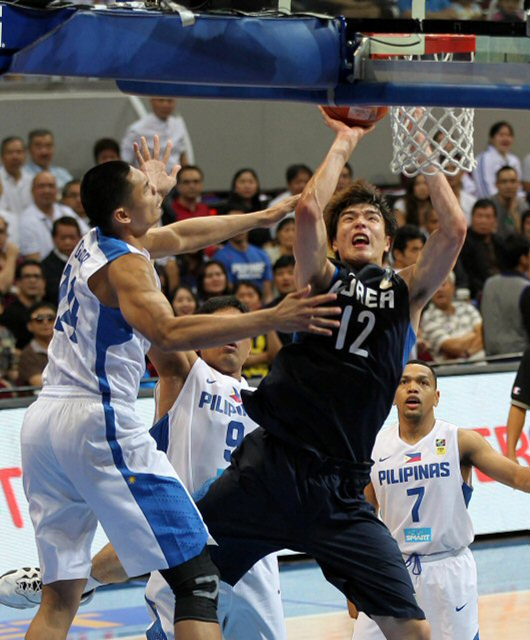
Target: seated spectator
[[65, 235], [15, 179], [212, 280], [184, 269], [434, 9], [284, 243], [166, 126], [497, 155], [407, 246], [105, 150], [8, 360], [263, 347], [450, 328], [41, 147], [296, 177], [8, 259], [30, 285], [481, 254], [283, 281], [34, 356], [505, 304], [71, 197], [413, 208], [244, 261], [508, 11], [184, 201], [36, 222], [467, 10], [509, 206], [245, 195], [184, 301], [525, 224]]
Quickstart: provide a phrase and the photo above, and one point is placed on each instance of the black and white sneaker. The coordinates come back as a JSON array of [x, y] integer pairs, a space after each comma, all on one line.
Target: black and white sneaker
[[22, 589]]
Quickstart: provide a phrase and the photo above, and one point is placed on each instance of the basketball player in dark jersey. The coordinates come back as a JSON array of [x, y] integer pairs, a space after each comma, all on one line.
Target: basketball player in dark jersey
[[298, 481]]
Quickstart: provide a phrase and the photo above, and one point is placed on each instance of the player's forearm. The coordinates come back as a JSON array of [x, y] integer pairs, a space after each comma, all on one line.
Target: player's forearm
[[451, 217], [522, 479], [189, 236], [205, 331], [514, 428]]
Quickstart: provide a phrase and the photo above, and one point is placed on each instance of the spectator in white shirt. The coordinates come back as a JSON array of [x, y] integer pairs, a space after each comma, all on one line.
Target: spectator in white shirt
[[166, 126], [15, 180], [36, 222], [41, 147], [497, 155]]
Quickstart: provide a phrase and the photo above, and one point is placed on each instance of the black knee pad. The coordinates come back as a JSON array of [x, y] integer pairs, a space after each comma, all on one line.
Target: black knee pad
[[195, 584]]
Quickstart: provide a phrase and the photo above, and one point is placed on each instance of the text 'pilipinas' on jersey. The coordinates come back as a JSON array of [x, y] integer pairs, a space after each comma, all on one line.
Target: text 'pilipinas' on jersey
[[93, 347], [421, 492], [332, 393]]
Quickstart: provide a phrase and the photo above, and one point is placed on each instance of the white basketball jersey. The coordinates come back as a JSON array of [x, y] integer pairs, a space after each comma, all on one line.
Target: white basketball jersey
[[93, 347], [421, 492], [204, 425]]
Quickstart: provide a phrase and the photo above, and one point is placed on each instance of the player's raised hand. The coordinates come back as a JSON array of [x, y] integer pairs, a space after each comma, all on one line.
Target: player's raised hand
[[279, 211], [154, 167], [300, 312], [356, 132]]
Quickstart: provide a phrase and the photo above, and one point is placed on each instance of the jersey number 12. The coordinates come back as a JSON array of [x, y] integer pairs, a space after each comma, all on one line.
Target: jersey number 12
[[366, 318]]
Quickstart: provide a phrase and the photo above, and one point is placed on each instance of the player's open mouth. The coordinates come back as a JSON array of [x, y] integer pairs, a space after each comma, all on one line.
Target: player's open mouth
[[360, 239], [231, 346], [412, 402]]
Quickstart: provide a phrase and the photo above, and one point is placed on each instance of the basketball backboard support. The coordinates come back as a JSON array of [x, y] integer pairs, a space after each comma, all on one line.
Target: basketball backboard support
[[262, 57]]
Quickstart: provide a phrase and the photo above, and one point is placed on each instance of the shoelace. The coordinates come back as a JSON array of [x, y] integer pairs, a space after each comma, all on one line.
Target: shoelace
[[29, 584]]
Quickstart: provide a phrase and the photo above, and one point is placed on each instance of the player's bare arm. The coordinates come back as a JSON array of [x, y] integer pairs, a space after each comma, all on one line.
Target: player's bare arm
[[188, 236], [441, 250], [311, 241], [476, 451], [144, 307], [514, 428]]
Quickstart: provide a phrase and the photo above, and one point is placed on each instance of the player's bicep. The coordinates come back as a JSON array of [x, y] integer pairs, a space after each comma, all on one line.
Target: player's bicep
[[141, 303]]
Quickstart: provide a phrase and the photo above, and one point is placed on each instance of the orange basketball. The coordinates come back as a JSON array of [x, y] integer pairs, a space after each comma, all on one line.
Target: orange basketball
[[359, 116]]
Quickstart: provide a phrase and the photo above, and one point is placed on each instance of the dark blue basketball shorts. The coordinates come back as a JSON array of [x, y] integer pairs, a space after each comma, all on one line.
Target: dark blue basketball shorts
[[275, 496]]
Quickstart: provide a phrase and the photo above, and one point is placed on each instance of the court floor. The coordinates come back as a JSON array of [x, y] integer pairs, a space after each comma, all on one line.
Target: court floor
[[314, 610]]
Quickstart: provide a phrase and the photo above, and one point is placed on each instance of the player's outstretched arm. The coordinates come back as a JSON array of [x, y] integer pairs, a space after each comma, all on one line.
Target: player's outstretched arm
[[311, 241], [476, 451], [145, 308], [191, 235], [514, 428]]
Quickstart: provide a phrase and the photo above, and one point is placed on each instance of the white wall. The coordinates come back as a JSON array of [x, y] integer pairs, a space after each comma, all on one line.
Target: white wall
[[226, 135]]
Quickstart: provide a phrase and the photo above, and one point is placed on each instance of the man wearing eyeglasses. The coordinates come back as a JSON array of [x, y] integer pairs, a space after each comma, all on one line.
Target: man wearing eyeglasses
[[30, 285], [34, 356]]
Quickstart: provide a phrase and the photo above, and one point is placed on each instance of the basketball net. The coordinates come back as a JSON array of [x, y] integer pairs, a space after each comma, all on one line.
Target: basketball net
[[429, 139]]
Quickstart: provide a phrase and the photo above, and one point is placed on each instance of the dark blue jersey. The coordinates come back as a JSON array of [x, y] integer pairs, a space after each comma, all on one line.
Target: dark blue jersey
[[331, 394]]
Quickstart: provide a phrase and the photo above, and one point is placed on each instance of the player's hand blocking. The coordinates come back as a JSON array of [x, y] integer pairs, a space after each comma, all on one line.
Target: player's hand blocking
[[274, 214], [154, 167], [299, 312]]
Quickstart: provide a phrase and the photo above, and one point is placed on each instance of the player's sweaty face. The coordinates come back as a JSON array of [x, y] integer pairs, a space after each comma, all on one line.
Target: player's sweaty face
[[416, 394], [144, 205], [361, 236]]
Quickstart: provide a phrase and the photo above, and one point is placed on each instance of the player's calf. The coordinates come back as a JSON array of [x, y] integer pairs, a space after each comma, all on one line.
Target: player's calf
[[195, 584]]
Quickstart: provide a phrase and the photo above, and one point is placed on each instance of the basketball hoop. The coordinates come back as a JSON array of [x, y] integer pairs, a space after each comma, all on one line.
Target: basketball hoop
[[429, 139]]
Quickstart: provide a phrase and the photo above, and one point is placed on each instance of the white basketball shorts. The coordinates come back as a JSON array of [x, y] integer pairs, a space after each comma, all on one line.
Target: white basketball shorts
[[86, 459], [446, 590]]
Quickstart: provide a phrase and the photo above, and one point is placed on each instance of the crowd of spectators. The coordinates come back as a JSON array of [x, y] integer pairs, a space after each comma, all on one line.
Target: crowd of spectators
[[483, 309]]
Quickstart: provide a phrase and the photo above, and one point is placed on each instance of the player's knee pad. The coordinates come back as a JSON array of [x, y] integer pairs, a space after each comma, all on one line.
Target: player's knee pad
[[195, 584]]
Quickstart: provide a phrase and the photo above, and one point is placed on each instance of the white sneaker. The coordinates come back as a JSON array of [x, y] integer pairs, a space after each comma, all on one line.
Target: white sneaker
[[22, 589]]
